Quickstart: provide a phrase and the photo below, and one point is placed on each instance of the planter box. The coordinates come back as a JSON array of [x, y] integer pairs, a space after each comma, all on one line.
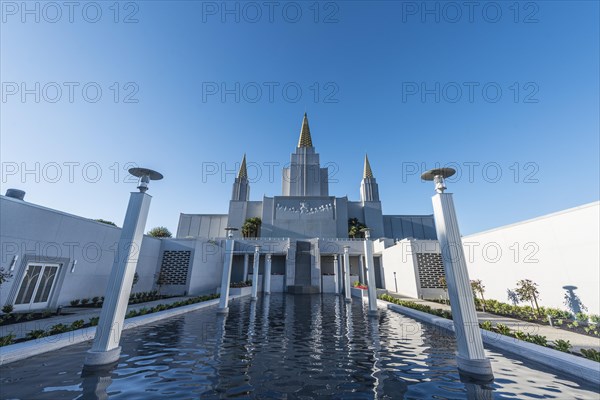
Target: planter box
[[242, 291], [360, 293], [328, 284], [277, 283]]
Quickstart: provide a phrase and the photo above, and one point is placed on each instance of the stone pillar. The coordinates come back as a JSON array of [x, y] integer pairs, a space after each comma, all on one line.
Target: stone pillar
[[336, 274], [290, 265], [471, 357], [255, 273], [246, 260], [267, 284], [361, 267], [226, 276], [347, 274], [106, 349], [370, 266]]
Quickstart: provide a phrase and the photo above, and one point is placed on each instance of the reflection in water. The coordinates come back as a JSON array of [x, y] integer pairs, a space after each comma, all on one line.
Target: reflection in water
[[282, 346]]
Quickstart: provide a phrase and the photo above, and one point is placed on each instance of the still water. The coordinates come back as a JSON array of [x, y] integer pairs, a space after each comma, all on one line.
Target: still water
[[283, 347]]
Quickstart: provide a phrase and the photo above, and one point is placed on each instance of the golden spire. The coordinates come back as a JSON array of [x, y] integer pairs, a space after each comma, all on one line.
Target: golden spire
[[305, 139], [367, 173], [243, 172]]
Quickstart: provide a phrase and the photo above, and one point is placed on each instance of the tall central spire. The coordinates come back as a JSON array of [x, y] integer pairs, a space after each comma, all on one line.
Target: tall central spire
[[305, 139], [367, 173], [243, 172]]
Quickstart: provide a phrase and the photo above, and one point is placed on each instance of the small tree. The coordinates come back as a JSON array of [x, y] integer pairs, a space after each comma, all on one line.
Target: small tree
[[136, 278], [251, 227], [105, 222], [160, 232], [527, 291], [160, 280], [478, 288], [4, 276]]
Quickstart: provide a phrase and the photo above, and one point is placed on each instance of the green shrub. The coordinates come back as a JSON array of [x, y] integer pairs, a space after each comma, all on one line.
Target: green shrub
[[74, 302], [94, 321], [29, 316], [503, 329], [77, 324], [17, 317], [520, 335], [537, 339], [595, 319], [562, 345], [131, 314], [581, 317], [591, 354], [6, 340], [7, 309], [85, 301], [95, 299], [487, 325], [36, 334], [58, 328], [46, 314]]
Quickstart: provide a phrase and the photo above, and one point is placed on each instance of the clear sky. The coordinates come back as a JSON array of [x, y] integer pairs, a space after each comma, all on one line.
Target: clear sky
[[506, 92]]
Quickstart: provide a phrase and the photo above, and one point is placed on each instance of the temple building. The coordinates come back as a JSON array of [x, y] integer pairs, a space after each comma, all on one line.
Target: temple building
[[307, 220]]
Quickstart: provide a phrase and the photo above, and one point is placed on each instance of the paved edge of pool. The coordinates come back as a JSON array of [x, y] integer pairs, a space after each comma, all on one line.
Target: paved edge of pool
[[30, 348], [569, 364]]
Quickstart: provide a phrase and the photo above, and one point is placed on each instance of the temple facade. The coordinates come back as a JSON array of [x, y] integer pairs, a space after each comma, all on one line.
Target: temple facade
[[307, 221]]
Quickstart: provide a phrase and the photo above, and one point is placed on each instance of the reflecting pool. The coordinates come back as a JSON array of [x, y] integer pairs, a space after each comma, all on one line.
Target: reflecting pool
[[283, 347]]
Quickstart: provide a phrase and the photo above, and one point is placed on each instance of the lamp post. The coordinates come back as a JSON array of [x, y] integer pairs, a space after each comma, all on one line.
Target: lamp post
[[369, 265], [395, 282], [255, 273], [267, 284], [105, 349], [471, 357], [347, 293], [226, 277]]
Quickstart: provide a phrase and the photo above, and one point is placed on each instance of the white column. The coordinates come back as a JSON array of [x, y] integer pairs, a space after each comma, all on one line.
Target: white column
[[471, 357], [106, 349], [361, 267], [226, 276], [370, 266], [267, 284], [335, 274], [347, 274], [246, 261], [255, 273]]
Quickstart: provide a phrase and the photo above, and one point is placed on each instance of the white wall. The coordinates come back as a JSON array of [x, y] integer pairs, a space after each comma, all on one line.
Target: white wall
[[400, 259], [554, 250], [42, 234]]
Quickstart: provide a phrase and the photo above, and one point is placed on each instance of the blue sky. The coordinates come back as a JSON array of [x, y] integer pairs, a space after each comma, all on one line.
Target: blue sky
[[508, 94]]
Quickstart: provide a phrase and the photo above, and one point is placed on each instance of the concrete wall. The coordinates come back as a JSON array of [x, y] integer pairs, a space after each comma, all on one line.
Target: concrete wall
[[554, 250], [40, 234], [203, 225]]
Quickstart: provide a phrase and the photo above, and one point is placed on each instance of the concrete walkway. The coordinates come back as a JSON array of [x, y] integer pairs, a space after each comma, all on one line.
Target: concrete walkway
[[21, 329], [578, 341]]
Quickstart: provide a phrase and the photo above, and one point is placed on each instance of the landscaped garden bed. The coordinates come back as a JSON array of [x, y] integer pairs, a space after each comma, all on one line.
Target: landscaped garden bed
[[79, 324], [561, 345], [9, 317]]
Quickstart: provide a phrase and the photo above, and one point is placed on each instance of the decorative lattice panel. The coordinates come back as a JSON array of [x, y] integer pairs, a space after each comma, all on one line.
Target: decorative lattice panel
[[174, 267], [431, 269]]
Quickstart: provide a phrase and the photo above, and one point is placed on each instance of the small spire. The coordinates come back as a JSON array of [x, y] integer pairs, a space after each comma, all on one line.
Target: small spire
[[305, 139], [243, 172], [367, 173]]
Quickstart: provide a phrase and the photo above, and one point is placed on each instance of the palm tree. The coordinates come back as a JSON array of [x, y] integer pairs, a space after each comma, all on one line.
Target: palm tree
[[355, 227], [251, 227], [478, 287], [527, 291], [160, 232]]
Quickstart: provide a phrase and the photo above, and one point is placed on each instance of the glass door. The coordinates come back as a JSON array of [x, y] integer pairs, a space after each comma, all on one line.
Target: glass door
[[36, 286]]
